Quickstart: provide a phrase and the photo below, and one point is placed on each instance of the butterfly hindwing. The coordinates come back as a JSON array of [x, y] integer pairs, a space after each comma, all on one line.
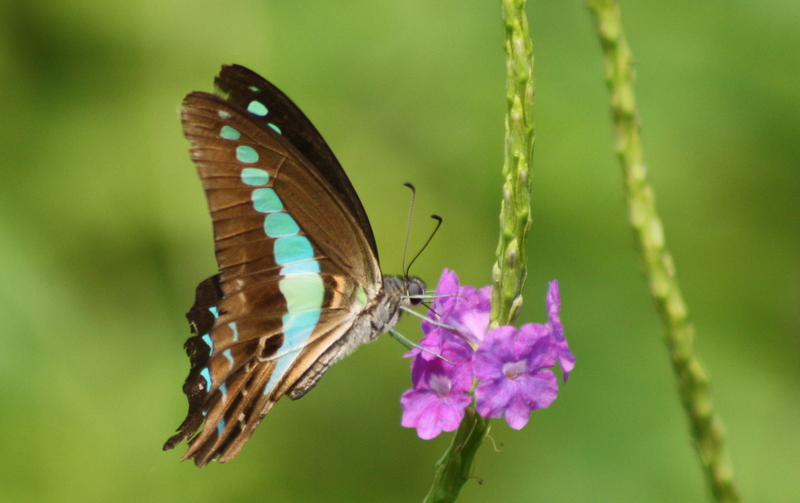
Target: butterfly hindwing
[[237, 421]]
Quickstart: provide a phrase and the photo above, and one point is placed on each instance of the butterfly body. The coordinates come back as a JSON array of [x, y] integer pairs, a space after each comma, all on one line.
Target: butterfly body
[[299, 286]]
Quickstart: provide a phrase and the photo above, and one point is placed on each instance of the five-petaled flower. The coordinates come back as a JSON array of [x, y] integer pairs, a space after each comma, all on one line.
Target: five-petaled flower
[[510, 366]]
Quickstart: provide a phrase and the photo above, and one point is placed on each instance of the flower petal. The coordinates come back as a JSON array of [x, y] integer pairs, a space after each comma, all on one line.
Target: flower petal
[[517, 414], [535, 344], [553, 300], [493, 397], [463, 309], [431, 413], [496, 350], [565, 357], [537, 390]]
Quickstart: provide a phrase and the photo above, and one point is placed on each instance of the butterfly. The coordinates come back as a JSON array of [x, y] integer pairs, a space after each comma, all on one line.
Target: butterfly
[[299, 284]]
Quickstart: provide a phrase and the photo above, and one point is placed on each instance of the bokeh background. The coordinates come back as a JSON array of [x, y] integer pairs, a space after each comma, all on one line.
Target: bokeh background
[[104, 235]]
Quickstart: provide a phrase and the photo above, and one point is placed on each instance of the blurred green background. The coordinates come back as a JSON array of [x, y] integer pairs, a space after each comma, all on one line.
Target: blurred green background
[[104, 235]]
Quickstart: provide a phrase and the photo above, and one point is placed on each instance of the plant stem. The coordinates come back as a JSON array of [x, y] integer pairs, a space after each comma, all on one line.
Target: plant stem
[[693, 382], [455, 466], [510, 270]]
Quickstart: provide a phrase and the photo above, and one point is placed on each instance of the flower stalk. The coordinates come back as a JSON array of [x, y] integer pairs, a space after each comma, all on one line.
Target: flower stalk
[[693, 382], [454, 468], [510, 270]]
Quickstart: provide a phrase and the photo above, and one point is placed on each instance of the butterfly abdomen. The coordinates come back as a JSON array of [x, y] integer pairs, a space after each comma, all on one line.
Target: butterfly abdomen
[[372, 321]]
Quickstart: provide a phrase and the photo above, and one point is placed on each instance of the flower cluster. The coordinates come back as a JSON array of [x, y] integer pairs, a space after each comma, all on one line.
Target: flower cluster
[[510, 366]]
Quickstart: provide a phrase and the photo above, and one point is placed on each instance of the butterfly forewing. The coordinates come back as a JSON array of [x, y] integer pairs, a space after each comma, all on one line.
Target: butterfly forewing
[[297, 260], [243, 87]]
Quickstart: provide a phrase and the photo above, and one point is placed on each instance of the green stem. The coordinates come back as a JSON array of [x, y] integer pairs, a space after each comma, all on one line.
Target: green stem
[[693, 382], [511, 269], [454, 468]]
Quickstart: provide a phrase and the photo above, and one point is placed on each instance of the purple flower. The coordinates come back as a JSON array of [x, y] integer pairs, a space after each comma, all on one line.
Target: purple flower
[[511, 367], [441, 374], [565, 356], [463, 309], [439, 397]]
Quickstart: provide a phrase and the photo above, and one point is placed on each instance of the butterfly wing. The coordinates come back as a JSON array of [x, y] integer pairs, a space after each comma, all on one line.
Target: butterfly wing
[[297, 259], [243, 87]]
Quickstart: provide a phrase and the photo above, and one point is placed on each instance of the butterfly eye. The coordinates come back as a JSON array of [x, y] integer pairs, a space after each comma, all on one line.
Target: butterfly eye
[[415, 291]]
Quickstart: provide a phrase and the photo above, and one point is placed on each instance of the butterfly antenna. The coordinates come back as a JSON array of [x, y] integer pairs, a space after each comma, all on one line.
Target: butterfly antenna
[[408, 227], [438, 224]]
